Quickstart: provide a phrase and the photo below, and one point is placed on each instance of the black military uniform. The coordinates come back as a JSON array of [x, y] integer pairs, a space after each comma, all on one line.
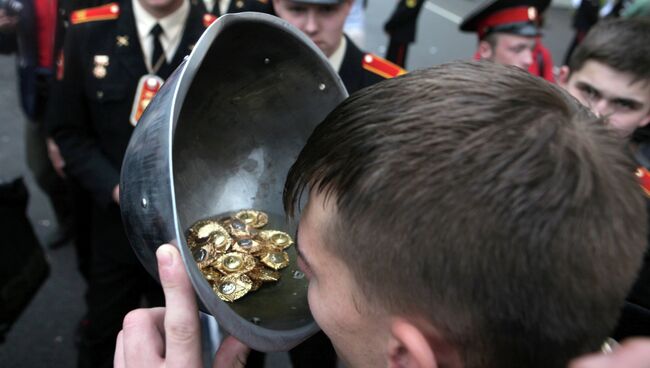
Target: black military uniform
[[103, 62], [583, 19], [635, 316], [236, 6], [360, 69], [401, 28]]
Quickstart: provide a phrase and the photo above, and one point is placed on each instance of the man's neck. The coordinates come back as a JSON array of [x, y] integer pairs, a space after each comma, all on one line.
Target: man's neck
[[161, 12]]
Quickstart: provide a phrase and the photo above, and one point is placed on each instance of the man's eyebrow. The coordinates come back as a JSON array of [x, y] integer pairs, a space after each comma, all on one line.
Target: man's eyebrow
[[628, 101], [585, 84], [298, 252]]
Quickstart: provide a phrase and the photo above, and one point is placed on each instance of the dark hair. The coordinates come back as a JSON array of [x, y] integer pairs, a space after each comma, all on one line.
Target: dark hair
[[492, 39], [485, 200], [622, 44]]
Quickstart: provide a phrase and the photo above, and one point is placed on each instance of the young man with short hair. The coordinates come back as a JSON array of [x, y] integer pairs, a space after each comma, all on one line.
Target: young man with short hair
[[508, 31], [322, 21], [608, 72], [489, 227]]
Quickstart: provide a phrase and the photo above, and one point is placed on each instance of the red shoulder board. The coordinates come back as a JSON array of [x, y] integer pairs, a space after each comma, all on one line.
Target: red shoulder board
[[644, 179], [381, 67], [208, 19], [104, 12]]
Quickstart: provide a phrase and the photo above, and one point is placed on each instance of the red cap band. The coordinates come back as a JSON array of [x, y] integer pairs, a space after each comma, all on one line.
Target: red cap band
[[506, 16]]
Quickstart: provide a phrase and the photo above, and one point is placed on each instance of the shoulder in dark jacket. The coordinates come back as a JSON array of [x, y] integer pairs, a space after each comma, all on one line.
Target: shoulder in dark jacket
[[360, 69]]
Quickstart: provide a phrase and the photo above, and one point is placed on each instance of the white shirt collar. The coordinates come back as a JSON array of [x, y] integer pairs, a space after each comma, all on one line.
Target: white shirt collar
[[223, 6], [337, 57], [171, 24]]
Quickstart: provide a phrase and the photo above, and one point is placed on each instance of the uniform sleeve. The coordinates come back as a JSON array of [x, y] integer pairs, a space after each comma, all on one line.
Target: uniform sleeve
[[8, 44], [70, 126]]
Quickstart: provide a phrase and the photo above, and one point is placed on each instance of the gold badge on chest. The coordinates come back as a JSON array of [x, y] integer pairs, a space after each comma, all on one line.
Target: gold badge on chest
[[122, 41], [148, 86], [101, 62]]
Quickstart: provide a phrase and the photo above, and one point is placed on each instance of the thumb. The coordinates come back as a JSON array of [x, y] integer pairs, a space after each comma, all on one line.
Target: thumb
[[231, 354]]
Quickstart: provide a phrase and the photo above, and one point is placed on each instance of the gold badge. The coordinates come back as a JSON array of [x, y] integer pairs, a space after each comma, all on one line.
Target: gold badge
[[239, 4], [252, 258], [235, 262], [101, 62], [205, 255], [252, 218], [148, 86], [411, 3], [277, 240], [263, 274], [122, 41], [237, 228], [247, 245], [233, 287], [209, 232], [275, 259]]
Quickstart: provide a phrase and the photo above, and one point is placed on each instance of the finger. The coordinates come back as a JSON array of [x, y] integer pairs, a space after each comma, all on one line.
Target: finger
[[143, 338], [592, 361], [632, 353], [59, 172], [182, 331], [118, 358], [231, 354]]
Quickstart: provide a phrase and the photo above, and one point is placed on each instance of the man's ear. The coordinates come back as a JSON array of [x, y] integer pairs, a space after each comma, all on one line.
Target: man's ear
[[645, 121], [563, 77], [485, 50], [409, 346]]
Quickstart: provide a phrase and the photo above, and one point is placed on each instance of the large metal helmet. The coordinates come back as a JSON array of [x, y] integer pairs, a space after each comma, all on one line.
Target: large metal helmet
[[220, 136]]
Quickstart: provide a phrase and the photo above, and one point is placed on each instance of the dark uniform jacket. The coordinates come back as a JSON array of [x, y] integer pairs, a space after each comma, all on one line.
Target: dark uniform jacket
[[94, 130], [236, 6], [586, 15], [359, 69], [635, 316], [401, 25]]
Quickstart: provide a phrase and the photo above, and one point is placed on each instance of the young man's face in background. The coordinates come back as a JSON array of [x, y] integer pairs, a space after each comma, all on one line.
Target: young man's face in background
[[509, 49], [322, 23], [611, 94]]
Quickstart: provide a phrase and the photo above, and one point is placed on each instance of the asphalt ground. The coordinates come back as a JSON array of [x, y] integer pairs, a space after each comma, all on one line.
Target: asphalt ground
[[44, 334]]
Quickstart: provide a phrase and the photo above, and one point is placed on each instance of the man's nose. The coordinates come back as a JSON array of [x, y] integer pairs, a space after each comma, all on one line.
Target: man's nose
[[601, 107], [311, 23], [527, 58]]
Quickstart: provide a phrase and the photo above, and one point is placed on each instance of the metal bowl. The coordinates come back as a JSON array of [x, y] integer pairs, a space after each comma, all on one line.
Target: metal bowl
[[220, 136]]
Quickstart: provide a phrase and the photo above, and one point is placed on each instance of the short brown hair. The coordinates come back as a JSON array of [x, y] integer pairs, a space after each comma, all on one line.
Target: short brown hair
[[485, 200], [621, 44]]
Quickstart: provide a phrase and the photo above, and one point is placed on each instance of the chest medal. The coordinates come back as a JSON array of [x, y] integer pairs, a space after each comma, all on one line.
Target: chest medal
[[148, 86]]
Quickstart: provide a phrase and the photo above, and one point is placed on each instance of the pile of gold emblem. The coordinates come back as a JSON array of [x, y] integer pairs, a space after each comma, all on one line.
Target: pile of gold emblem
[[236, 254]]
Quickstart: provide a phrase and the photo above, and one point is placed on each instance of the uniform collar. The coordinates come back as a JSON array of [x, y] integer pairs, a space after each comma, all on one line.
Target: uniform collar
[[337, 57], [223, 6], [171, 24]]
